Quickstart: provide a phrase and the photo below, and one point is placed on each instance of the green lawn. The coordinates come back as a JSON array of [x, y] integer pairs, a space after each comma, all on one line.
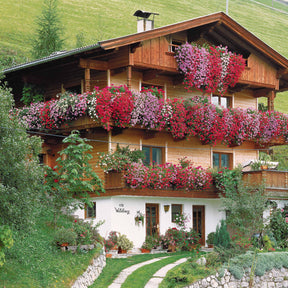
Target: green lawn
[[34, 261]]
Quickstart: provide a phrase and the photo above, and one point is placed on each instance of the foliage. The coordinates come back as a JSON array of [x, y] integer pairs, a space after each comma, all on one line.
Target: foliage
[[111, 241], [124, 243], [68, 184], [20, 171], [31, 93], [263, 262], [38, 262], [151, 242], [139, 218], [181, 239], [210, 238], [186, 273], [65, 235], [166, 176], [86, 232], [222, 237], [209, 69], [48, 38], [279, 226], [181, 220], [244, 204], [119, 159], [6, 241]]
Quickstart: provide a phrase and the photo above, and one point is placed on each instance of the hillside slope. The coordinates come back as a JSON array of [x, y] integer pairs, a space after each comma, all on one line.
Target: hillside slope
[[98, 20]]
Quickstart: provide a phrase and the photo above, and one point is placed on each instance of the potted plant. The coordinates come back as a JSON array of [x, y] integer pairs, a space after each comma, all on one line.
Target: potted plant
[[124, 244], [111, 242], [64, 237], [150, 243], [210, 240], [139, 218]]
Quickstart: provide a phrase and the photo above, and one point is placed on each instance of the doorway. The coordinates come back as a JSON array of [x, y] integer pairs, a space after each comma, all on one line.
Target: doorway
[[152, 219], [198, 212]]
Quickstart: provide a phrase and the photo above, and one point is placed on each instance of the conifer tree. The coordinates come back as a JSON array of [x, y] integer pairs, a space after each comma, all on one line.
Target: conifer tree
[[48, 38]]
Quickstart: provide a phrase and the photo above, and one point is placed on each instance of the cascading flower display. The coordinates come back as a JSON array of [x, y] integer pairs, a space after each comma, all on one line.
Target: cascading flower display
[[210, 68], [167, 176], [117, 106]]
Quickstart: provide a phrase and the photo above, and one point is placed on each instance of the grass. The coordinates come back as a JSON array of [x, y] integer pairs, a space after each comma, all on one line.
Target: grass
[[115, 266], [185, 274], [109, 19], [142, 275], [34, 261]]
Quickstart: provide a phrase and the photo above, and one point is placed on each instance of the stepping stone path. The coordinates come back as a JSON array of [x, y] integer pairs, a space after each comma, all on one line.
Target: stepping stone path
[[153, 282]]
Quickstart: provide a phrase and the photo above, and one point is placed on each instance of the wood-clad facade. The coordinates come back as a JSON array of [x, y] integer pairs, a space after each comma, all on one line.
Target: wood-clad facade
[[148, 58]]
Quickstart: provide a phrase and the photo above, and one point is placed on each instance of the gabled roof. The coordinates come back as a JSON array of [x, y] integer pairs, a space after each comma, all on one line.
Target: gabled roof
[[217, 28]]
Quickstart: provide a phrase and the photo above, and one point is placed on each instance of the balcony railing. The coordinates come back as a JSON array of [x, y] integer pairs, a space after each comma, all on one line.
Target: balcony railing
[[275, 182]]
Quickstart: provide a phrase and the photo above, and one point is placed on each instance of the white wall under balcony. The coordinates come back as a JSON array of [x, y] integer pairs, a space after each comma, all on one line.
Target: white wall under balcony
[[119, 212]]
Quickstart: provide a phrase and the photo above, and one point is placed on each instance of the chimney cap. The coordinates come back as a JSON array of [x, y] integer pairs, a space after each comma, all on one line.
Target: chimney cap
[[144, 14]]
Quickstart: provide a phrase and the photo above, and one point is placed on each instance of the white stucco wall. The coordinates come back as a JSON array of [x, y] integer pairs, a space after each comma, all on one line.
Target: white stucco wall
[[119, 212]]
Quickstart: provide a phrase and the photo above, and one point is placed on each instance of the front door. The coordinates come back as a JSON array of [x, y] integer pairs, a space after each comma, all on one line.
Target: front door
[[152, 219], [199, 221]]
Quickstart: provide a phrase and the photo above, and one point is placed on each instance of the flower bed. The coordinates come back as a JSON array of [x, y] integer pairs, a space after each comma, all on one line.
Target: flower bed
[[182, 118]]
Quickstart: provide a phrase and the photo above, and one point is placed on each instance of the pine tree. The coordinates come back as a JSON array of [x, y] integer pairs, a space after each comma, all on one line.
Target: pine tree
[[48, 37]]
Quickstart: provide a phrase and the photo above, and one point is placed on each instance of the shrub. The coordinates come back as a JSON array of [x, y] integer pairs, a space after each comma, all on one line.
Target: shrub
[[111, 241], [222, 237], [124, 243], [279, 227], [65, 235]]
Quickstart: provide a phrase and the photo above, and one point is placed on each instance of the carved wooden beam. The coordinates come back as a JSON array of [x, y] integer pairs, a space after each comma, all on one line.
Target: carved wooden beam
[[93, 64]]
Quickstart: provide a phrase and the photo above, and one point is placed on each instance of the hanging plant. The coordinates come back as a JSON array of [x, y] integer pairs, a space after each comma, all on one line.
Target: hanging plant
[[139, 218], [209, 69]]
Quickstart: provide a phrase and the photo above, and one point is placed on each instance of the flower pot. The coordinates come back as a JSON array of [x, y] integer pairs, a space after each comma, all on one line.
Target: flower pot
[[108, 255], [210, 245], [114, 248], [172, 248], [120, 251], [143, 250]]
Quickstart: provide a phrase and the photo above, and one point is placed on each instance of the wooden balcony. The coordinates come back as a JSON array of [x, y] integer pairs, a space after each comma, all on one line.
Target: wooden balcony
[[115, 185], [275, 182]]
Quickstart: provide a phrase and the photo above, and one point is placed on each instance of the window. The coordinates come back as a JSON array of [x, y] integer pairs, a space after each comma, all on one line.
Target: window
[[90, 211], [152, 155], [222, 101], [174, 44], [221, 160], [176, 210]]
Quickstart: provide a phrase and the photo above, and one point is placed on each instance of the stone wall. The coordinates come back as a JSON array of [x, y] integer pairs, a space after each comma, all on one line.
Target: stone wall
[[272, 279], [92, 272]]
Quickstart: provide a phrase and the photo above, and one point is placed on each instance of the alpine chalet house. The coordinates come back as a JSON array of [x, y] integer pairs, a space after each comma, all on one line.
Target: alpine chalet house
[[194, 104]]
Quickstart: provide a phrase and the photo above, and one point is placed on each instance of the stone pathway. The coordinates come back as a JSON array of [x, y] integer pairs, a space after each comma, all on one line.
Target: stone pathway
[[154, 281], [126, 272], [158, 277]]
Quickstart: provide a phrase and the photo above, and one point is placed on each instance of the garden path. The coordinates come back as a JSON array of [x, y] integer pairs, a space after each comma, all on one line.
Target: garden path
[[154, 281], [126, 272]]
